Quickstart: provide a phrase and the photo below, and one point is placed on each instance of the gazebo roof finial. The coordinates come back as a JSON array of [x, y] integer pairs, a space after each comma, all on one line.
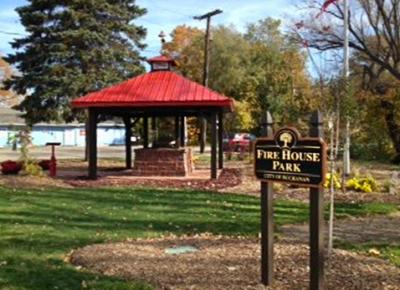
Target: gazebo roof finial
[[161, 62]]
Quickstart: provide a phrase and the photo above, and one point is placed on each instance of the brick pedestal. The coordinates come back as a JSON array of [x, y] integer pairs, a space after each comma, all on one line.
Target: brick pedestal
[[163, 162]]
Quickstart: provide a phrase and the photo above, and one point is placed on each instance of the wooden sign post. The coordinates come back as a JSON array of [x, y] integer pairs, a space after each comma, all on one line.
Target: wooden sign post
[[267, 216], [287, 157]]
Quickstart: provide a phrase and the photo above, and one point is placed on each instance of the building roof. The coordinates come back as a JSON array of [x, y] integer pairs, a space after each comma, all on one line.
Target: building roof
[[155, 89], [10, 116]]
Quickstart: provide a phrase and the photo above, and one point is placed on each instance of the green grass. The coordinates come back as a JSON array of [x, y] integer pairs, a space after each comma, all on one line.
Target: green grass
[[37, 228], [390, 252], [344, 210]]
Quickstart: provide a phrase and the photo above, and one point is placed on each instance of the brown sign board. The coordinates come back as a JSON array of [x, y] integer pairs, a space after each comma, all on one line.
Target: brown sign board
[[289, 158]]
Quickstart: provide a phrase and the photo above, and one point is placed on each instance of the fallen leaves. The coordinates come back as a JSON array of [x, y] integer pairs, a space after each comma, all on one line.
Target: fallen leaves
[[230, 263], [228, 177], [374, 252]]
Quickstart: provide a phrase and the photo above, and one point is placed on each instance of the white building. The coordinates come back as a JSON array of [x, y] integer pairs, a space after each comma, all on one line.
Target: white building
[[73, 134]]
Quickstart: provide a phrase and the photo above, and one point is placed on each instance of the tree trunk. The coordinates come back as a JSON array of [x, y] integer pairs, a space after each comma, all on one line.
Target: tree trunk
[[393, 127]]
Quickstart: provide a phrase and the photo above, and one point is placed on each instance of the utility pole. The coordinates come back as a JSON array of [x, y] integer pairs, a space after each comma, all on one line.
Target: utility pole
[[206, 68]]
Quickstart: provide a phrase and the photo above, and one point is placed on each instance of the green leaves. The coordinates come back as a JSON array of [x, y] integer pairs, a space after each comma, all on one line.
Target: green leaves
[[260, 68], [73, 48]]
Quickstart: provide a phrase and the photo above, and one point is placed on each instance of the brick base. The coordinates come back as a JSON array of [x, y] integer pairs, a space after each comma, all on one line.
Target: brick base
[[163, 162]]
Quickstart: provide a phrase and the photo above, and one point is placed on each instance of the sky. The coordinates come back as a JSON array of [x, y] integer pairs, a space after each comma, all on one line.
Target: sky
[[165, 15]]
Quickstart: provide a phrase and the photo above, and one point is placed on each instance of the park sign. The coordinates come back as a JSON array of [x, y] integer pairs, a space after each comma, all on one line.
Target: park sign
[[288, 158]]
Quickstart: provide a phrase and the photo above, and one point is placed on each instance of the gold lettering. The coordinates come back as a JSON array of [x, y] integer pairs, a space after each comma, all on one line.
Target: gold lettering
[[275, 165], [260, 154], [270, 155], [296, 167], [287, 167], [285, 154]]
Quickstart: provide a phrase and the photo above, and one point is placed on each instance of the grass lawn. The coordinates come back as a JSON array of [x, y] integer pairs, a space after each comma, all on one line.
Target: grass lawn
[[390, 252], [38, 227]]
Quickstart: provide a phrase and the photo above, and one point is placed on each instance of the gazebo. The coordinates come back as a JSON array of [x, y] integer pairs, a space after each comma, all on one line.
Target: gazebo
[[159, 93]]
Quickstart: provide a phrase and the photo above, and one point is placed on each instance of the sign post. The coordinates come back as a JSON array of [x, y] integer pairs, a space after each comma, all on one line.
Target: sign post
[[317, 218], [267, 222], [287, 157]]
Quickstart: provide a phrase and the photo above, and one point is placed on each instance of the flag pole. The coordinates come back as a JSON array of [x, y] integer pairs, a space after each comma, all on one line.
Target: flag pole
[[346, 152]]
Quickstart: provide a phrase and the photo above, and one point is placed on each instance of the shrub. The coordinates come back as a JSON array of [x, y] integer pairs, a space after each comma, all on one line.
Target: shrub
[[32, 168], [336, 181], [362, 184], [11, 167], [45, 164]]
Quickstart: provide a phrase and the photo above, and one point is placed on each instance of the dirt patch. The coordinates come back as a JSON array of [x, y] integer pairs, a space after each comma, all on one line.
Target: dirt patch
[[21, 181], [378, 230], [230, 263]]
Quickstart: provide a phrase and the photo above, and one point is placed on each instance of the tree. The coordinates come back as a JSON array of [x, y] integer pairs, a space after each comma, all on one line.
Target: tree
[[260, 69], [72, 48], [228, 63], [187, 47], [379, 102], [276, 79], [374, 35]]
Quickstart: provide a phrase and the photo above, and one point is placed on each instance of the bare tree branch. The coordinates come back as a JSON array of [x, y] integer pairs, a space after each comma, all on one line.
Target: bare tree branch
[[374, 31]]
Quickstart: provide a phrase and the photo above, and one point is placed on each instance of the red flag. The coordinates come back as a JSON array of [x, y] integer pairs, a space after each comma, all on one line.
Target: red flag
[[325, 6]]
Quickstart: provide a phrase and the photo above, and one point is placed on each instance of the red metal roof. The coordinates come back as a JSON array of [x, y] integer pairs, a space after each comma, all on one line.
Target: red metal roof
[[155, 89]]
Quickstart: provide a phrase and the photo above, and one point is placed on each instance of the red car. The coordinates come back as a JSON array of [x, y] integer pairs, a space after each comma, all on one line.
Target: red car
[[240, 142]]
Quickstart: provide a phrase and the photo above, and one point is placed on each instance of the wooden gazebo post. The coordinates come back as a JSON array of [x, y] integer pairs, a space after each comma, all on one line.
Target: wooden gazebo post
[[93, 114], [213, 145], [145, 132], [182, 130], [177, 132], [128, 143], [220, 140]]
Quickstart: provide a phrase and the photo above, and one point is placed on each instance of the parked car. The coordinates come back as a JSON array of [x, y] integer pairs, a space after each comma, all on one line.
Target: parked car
[[239, 142]]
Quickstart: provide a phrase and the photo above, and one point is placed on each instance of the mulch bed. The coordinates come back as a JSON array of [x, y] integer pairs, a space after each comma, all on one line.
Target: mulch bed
[[349, 196], [371, 229], [230, 263], [250, 186], [228, 178]]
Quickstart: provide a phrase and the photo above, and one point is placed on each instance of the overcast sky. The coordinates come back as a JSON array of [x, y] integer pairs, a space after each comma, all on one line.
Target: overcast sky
[[165, 15]]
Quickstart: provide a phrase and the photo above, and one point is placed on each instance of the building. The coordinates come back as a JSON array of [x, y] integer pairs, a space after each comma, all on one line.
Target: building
[[73, 134]]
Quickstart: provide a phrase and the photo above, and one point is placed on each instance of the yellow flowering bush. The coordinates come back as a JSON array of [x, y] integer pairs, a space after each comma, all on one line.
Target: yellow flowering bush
[[362, 184], [336, 181]]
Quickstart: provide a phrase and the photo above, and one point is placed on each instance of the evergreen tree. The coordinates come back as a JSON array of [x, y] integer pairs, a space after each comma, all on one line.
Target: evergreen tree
[[72, 48]]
